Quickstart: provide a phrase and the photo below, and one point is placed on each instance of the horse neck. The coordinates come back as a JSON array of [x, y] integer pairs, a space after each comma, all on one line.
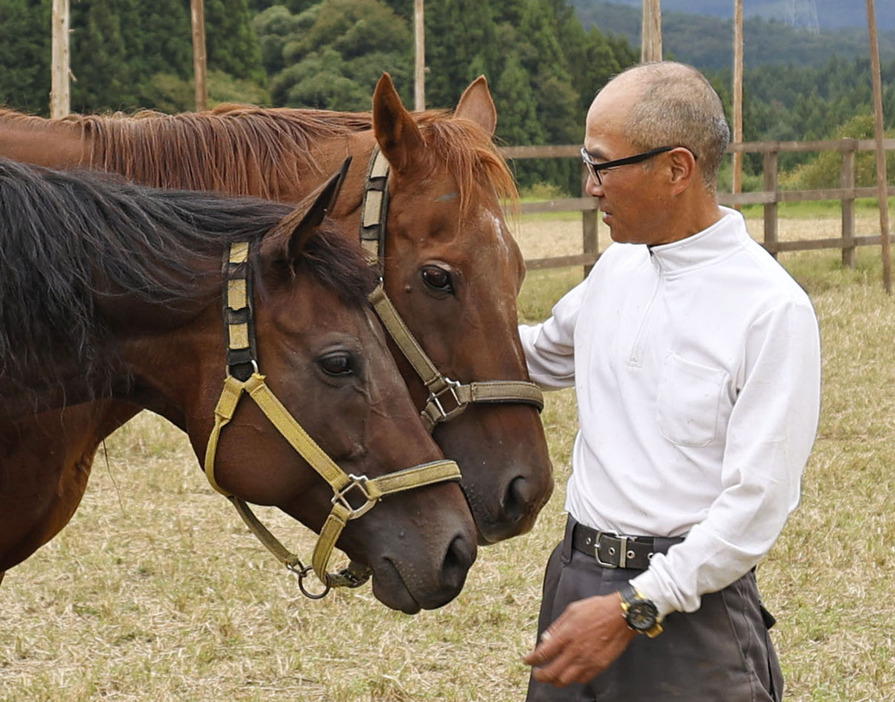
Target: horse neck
[[159, 344], [239, 157], [40, 141]]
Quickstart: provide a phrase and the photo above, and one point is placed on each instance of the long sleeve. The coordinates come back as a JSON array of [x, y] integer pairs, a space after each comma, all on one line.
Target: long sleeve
[[550, 346], [769, 437]]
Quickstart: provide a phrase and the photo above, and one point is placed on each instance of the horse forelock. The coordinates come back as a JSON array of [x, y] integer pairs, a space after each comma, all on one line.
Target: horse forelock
[[469, 154], [333, 260], [338, 263]]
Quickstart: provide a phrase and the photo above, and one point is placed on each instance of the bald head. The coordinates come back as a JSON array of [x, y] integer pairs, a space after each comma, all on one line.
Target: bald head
[[671, 104]]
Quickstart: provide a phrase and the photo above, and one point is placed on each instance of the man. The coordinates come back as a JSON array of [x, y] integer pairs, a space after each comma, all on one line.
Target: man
[[696, 363]]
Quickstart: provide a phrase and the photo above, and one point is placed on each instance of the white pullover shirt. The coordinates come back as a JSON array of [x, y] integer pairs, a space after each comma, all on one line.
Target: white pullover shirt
[[697, 371]]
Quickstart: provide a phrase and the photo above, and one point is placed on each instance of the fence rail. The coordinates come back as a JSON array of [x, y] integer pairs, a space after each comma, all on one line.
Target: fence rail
[[769, 198]]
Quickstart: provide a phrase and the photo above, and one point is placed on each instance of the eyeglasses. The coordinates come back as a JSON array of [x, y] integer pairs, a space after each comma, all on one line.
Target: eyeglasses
[[595, 168]]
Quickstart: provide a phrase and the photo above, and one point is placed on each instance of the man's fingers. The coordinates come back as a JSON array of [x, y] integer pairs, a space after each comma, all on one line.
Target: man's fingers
[[562, 670], [545, 650]]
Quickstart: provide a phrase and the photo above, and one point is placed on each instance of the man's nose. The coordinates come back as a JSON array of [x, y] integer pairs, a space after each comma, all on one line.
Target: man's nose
[[593, 187]]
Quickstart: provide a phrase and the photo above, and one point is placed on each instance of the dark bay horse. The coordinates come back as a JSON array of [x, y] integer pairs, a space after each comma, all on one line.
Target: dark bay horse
[[451, 267], [246, 324]]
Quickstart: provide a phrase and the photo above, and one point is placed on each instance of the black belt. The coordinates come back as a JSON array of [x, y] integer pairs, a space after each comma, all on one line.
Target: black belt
[[617, 550]]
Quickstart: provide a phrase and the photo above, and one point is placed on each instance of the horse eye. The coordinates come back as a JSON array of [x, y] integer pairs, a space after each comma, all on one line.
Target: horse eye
[[438, 279], [337, 364]]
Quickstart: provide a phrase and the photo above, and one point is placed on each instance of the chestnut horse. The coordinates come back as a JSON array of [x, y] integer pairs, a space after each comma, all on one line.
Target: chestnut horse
[[432, 208], [109, 289]]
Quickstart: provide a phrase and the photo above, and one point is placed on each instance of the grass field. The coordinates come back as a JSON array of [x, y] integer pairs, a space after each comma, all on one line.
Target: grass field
[[156, 591]]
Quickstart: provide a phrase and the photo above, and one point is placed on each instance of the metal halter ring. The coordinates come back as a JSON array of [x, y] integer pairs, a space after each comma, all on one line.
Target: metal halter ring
[[301, 572]]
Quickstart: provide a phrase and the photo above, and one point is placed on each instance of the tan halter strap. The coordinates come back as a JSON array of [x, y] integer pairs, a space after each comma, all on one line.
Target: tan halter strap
[[374, 210], [447, 398], [348, 490]]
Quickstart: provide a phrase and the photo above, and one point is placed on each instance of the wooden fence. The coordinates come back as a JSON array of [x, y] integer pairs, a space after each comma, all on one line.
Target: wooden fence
[[770, 197]]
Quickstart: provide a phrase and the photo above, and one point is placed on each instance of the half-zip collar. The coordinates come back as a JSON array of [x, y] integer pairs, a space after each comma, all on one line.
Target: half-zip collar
[[708, 246]]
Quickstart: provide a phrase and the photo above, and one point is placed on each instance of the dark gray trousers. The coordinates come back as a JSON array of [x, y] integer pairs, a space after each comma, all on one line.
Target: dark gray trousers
[[720, 653]]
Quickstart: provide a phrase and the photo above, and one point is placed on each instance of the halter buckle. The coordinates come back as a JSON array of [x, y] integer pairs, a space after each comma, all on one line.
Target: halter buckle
[[449, 392], [341, 497]]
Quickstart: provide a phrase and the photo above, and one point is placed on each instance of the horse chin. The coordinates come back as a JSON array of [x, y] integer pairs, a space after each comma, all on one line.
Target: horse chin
[[518, 513], [390, 589]]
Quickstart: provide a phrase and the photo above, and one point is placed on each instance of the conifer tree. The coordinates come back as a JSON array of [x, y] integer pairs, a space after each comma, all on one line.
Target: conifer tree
[[231, 42], [25, 55], [100, 61]]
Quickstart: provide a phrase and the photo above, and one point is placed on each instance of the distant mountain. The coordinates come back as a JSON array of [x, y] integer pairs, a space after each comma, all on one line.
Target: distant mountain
[[815, 14], [705, 39]]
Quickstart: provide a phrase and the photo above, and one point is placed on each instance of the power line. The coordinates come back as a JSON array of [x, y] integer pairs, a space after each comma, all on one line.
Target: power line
[[803, 13]]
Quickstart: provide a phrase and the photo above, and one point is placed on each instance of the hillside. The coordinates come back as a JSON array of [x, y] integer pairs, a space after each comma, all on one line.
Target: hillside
[[819, 14], [707, 41]]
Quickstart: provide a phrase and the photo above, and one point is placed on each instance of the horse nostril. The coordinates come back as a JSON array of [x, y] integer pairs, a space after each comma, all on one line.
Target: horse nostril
[[457, 562], [516, 503]]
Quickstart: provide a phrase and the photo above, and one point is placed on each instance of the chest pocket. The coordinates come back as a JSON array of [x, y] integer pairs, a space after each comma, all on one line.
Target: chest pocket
[[689, 401]]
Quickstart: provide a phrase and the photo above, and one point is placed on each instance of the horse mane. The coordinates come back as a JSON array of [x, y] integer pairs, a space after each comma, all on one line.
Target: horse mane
[[245, 149], [68, 236]]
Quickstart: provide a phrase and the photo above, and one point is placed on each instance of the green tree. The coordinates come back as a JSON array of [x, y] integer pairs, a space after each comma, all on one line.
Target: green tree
[[461, 44], [512, 87], [333, 53], [553, 48], [275, 28], [823, 170], [231, 41], [25, 55], [161, 39], [294, 6], [101, 62]]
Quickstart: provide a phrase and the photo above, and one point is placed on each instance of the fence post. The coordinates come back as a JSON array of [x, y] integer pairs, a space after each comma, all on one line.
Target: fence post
[[60, 85], [847, 182], [589, 235], [770, 208]]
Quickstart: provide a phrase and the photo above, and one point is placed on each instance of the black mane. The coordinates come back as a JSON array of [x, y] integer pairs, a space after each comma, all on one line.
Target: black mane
[[65, 233]]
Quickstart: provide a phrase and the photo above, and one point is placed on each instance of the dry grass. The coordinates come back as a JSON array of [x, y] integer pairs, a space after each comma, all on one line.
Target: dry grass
[[155, 591]]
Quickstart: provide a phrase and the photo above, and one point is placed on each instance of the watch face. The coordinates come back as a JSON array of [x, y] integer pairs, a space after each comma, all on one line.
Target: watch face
[[642, 615]]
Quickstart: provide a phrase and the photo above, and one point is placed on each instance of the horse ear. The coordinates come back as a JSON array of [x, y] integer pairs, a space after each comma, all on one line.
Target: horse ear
[[290, 237], [477, 105], [396, 131]]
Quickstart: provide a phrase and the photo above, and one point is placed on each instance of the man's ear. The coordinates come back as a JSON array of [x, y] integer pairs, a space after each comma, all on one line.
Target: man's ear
[[683, 168]]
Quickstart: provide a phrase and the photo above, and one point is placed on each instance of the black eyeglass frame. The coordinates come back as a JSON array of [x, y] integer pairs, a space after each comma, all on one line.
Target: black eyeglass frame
[[595, 168]]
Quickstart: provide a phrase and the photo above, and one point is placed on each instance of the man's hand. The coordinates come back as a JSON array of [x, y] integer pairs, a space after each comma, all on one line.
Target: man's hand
[[582, 643]]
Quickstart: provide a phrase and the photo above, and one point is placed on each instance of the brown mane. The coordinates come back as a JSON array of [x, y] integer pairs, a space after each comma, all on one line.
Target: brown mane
[[245, 149]]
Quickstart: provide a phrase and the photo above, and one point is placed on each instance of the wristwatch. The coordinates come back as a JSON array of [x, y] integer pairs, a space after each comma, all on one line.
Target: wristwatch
[[641, 614]]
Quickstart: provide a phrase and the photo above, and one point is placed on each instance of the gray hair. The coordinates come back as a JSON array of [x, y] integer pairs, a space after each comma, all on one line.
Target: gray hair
[[677, 106]]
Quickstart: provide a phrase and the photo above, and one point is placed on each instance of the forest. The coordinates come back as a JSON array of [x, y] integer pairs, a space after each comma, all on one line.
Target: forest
[[829, 14], [544, 61], [706, 41]]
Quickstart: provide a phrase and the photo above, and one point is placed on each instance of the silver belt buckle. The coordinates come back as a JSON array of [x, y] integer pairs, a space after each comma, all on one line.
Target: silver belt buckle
[[623, 550]]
